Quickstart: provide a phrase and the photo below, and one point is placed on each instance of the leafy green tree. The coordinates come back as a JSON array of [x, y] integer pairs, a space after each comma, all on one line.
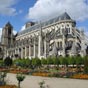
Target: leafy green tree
[[23, 62], [66, 61], [49, 61], [8, 61], [27, 62], [86, 65], [36, 62], [19, 62], [20, 78], [43, 61], [72, 61], [1, 62], [56, 61], [79, 60], [61, 60]]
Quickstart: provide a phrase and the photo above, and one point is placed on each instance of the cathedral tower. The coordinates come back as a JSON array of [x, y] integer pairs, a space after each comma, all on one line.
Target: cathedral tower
[[7, 35]]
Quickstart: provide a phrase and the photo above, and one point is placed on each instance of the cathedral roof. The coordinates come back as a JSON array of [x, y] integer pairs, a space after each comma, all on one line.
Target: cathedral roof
[[65, 16], [62, 17]]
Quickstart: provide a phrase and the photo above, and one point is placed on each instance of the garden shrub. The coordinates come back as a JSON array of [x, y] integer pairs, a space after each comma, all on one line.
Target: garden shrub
[[1, 63], [43, 61], [56, 60], [49, 61], [22, 62], [8, 61], [86, 65], [72, 60], [36, 62], [20, 78]]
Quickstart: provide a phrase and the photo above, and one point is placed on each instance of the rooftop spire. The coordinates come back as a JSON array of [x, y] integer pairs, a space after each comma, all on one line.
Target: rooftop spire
[[8, 24]]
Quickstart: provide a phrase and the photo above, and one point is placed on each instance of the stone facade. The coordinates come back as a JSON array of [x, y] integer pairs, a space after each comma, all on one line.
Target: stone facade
[[1, 51], [55, 37], [7, 38]]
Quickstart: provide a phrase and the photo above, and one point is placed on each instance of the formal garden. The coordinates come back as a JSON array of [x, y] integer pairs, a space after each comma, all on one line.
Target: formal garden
[[61, 67]]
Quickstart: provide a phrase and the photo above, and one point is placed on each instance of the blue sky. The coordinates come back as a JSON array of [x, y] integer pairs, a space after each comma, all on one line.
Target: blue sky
[[18, 18], [18, 12]]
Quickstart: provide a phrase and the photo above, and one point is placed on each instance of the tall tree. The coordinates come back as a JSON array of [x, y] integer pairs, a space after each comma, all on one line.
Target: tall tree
[[8, 61]]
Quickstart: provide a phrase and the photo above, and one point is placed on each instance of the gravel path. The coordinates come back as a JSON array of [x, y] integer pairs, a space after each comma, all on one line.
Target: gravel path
[[33, 82]]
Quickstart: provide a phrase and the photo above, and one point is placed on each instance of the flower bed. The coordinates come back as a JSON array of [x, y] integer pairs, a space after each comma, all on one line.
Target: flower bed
[[3, 70], [80, 76], [41, 74], [8, 86]]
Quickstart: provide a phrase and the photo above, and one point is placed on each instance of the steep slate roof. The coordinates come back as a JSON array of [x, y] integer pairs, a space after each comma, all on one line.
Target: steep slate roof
[[64, 16]]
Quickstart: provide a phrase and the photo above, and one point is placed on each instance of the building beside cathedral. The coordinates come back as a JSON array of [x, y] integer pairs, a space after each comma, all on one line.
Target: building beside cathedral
[[55, 37]]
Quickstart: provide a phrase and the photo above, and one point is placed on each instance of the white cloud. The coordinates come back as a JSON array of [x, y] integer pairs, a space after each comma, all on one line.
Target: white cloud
[[86, 33], [6, 7], [14, 32], [85, 29], [44, 9], [22, 28]]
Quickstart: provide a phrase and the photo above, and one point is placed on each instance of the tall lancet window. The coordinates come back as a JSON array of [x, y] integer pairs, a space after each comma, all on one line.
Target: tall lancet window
[[59, 30], [68, 30]]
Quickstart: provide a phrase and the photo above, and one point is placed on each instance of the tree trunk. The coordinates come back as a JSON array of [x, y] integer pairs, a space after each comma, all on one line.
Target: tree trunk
[[18, 84]]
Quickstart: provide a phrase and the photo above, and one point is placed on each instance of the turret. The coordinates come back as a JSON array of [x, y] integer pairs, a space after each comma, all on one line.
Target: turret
[[7, 35]]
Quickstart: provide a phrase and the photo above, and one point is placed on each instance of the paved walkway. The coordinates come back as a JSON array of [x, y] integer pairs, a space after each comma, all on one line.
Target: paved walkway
[[33, 82]]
